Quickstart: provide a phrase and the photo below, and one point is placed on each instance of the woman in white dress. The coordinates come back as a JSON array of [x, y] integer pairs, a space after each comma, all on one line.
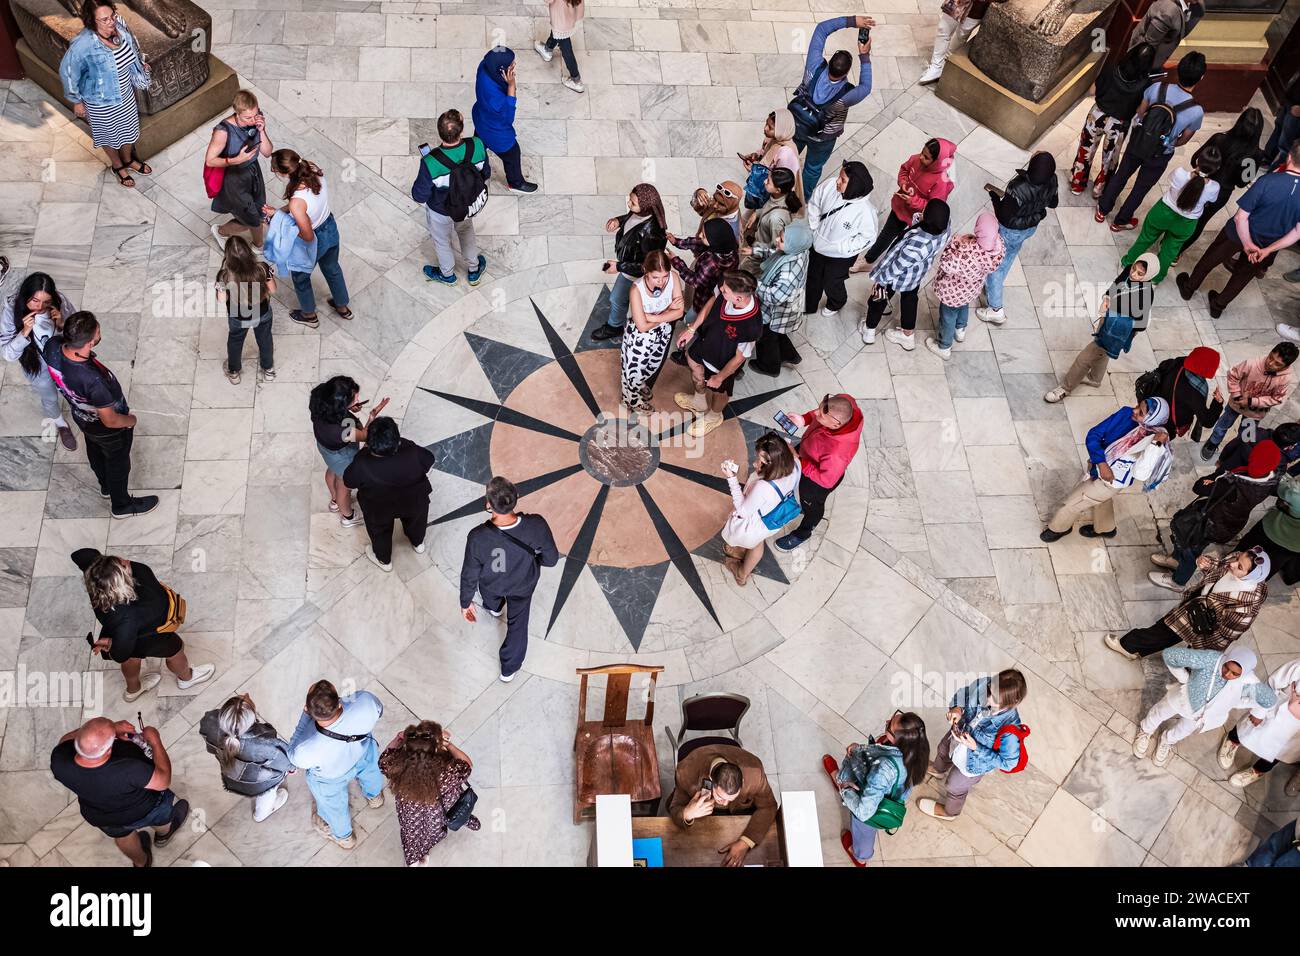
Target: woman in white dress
[[1274, 738], [759, 508], [657, 302]]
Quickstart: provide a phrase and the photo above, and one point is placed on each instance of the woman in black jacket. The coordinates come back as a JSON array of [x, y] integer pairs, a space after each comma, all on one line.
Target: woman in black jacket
[[1225, 499], [1019, 208], [1184, 384], [1242, 161], [640, 231], [254, 758], [391, 475], [1119, 91]]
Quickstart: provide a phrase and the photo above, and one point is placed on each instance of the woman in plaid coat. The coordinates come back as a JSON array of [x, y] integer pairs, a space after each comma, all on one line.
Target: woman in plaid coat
[[1233, 589], [780, 297]]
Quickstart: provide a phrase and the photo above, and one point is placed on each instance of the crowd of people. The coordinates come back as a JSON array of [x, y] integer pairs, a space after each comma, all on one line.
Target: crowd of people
[[766, 256]]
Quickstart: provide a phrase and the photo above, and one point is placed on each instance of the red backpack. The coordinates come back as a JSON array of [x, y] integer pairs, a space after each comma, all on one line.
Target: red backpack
[[1021, 732]]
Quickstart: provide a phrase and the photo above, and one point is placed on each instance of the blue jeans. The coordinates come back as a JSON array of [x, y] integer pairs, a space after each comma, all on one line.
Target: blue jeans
[[814, 159], [327, 257], [1285, 130], [1277, 849], [864, 838], [1222, 425], [1186, 558], [1012, 240], [618, 301], [332, 795], [951, 318]]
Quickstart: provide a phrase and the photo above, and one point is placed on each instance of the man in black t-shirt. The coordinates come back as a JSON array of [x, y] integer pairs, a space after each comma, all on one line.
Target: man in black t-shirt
[[121, 789], [391, 478], [99, 408]]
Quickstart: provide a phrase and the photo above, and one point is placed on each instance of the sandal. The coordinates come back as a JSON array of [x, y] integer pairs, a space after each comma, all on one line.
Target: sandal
[[126, 181], [140, 166], [342, 313]]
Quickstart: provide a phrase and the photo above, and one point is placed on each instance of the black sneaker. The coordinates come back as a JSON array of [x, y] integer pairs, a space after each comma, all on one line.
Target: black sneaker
[[678, 357], [607, 331], [1208, 450], [137, 506], [789, 542], [103, 493], [1088, 531], [524, 187], [180, 812]]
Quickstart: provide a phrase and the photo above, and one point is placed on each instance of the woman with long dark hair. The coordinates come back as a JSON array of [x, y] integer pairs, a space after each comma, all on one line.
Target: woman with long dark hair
[[641, 230], [245, 284], [1119, 90], [887, 767], [333, 405], [427, 774], [773, 479], [31, 316], [308, 202], [1240, 161]]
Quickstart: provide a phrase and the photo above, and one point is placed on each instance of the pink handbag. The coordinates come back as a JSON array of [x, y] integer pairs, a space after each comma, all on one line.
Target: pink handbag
[[213, 177]]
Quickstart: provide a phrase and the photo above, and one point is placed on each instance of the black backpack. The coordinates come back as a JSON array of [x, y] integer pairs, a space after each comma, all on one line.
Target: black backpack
[[467, 193], [1154, 135], [809, 115]]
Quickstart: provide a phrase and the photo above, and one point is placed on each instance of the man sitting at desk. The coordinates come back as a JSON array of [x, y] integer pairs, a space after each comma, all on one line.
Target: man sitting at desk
[[722, 777]]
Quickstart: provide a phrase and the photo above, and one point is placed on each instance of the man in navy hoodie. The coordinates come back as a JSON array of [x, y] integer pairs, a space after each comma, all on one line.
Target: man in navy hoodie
[[1096, 491]]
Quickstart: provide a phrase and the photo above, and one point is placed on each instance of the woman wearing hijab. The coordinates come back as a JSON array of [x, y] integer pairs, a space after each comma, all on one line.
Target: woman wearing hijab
[[781, 297], [770, 221], [1211, 684], [1225, 499], [637, 233], [921, 178], [1278, 532], [964, 265], [1114, 329], [1112, 446], [723, 203], [843, 224], [1273, 738], [1019, 208], [494, 114], [716, 253], [902, 269], [778, 151], [1213, 614], [1184, 384], [1119, 91]]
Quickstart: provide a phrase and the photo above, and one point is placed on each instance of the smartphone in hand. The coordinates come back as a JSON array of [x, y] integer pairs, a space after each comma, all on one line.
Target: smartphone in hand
[[425, 149], [1000, 193], [864, 35], [784, 421]]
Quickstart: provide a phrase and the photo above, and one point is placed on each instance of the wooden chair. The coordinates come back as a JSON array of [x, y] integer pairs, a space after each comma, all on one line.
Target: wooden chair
[[708, 712], [615, 754]]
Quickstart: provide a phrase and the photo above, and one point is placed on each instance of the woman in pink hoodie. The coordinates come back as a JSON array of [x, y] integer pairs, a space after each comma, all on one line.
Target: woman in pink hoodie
[[921, 178], [964, 265]]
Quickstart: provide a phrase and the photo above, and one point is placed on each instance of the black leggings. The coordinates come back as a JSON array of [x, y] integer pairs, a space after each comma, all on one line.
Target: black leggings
[[889, 234], [826, 274], [1261, 765], [907, 302], [566, 51], [1206, 215]]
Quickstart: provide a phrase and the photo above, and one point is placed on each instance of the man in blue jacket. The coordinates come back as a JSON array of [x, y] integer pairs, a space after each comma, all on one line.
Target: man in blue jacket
[[432, 185], [966, 752], [1095, 492], [826, 87]]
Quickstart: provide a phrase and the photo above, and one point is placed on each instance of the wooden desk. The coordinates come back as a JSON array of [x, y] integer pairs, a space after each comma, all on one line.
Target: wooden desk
[[698, 844]]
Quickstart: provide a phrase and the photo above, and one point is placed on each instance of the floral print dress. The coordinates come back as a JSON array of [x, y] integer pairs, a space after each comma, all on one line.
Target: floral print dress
[[423, 826]]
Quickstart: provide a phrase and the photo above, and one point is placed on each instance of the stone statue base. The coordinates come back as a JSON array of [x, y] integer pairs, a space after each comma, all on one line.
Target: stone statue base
[[1014, 118], [158, 130], [1010, 52], [179, 65]]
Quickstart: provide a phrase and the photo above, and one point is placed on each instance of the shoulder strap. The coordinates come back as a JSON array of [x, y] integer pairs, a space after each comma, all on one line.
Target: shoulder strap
[[1164, 88], [448, 161], [900, 782], [346, 738], [535, 552]]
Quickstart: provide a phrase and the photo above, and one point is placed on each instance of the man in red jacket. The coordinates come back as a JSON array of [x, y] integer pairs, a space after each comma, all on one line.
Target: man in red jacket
[[830, 440]]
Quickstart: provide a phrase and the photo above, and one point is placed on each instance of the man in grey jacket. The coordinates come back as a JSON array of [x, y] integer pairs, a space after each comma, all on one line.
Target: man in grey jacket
[[1165, 25]]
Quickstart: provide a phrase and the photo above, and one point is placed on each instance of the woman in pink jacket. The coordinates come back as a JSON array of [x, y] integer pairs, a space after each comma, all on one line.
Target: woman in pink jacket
[[1254, 386], [921, 178], [964, 265]]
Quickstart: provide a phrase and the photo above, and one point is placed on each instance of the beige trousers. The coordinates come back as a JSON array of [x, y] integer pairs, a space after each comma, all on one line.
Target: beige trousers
[[1091, 494], [1090, 363]]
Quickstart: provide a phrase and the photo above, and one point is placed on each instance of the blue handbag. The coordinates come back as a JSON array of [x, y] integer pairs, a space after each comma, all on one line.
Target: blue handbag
[[787, 509]]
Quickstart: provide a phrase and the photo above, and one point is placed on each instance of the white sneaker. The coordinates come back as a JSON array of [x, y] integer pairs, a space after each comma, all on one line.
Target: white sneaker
[[544, 53], [931, 75], [991, 316], [281, 798], [933, 345], [1163, 751], [575, 85], [1291, 332], [507, 678], [353, 521], [1244, 778], [498, 612], [1164, 561], [421, 548], [147, 683], [830, 313], [901, 338], [1113, 643], [1055, 395], [1163, 579], [216, 234], [868, 334], [197, 676], [960, 334], [374, 559], [1227, 751], [1141, 744]]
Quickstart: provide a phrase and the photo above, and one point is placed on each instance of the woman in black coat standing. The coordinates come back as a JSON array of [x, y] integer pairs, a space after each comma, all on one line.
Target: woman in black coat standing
[[643, 229], [1184, 384]]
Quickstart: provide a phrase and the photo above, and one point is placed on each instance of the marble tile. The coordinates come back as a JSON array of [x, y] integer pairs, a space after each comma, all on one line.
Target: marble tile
[[1025, 575], [959, 550], [1069, 833], [1135, 795]]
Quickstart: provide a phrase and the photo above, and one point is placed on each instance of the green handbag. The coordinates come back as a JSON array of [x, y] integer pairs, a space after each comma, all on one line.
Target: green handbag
[[891, 811]]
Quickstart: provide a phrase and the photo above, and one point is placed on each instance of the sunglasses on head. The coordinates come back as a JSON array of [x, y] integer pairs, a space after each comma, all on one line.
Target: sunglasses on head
[[725, 191]]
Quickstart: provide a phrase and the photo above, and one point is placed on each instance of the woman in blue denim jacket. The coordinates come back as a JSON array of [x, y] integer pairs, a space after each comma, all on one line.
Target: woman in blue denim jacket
[[889, 766], [977, 712], [101, 72]]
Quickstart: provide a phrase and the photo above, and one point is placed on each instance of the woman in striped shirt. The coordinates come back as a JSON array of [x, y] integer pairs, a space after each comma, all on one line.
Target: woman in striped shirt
[[100, 73], [902, 269]]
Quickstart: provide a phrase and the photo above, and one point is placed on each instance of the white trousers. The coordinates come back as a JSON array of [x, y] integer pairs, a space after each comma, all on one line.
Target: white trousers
[[1173, 704], [264, 804], [948, 36]]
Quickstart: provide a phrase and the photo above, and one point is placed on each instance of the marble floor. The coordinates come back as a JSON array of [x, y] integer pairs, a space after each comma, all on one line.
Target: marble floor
[[929, 567]]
